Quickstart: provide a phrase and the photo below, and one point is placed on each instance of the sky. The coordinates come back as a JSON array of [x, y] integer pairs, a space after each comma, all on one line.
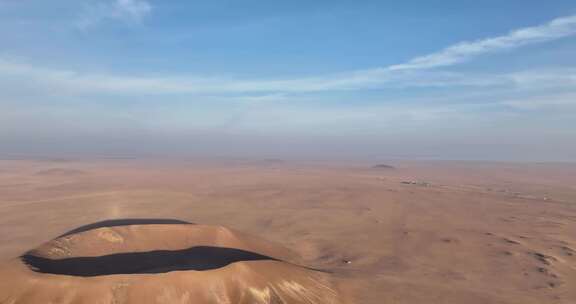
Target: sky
[[451, 79]]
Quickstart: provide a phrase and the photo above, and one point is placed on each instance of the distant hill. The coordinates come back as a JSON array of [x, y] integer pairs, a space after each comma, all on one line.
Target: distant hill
[[60, 172], [383, 166]]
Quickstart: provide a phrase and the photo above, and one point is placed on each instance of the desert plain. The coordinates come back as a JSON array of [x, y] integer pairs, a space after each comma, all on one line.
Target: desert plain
[[407, 232]]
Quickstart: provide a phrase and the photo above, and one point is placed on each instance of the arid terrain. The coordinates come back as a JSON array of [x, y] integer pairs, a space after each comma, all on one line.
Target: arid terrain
[[394, 232]]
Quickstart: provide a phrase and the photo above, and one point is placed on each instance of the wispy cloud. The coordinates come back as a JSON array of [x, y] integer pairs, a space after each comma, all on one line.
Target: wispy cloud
[[543, 78], [127, 11], [73, 82], [553, 102], [410, 74], [461, 52]]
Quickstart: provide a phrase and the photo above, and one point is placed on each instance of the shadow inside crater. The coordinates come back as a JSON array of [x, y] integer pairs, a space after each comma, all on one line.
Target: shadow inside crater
[[124, 222], [198, 258]]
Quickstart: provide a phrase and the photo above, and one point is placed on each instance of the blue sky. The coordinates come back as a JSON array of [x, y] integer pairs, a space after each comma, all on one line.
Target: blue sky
[[307, 79]]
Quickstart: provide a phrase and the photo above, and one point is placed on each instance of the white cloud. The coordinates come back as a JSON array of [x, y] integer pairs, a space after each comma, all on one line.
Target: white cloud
[[73, 82], [554, 102], [458, 53], [127, 11], [409, 74], [545, 78]]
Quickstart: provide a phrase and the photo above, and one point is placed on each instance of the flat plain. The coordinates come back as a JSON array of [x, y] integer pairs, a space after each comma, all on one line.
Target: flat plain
[[406, 232]]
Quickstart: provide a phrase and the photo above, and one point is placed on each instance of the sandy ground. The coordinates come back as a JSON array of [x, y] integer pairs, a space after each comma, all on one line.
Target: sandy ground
[[426, 232]]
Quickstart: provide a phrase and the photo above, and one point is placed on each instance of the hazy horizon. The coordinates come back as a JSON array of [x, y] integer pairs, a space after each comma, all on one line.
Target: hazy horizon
[[330, 80]]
